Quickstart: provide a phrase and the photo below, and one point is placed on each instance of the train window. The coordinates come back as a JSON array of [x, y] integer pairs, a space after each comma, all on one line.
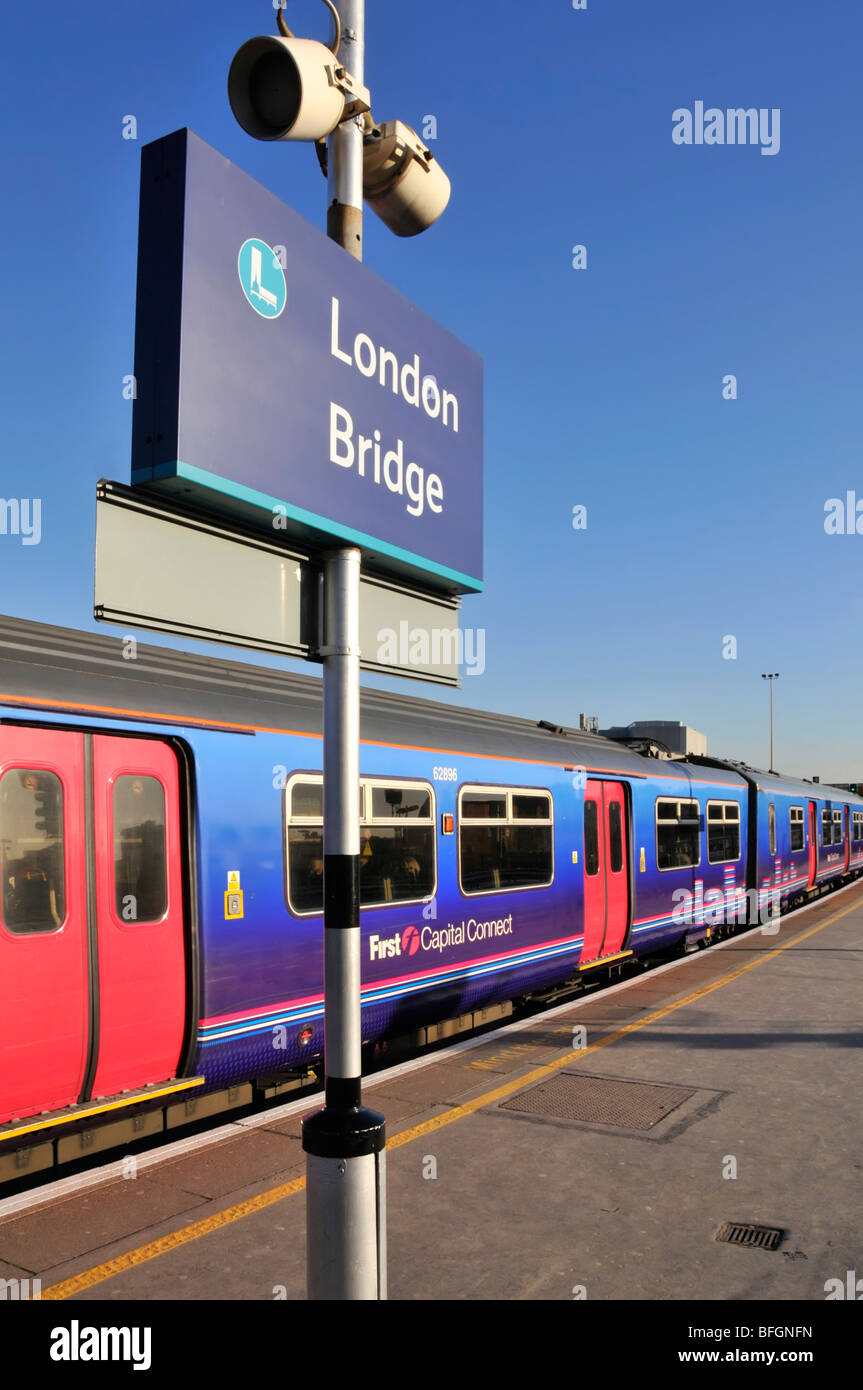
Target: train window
[[307, 800], [483, 805], [858, 825], [591, 839], [31, 850], [798, 834], [397, 843], [771, 828], [838, 832], [826, 828], [678, 841], [509, 844], [723, 832], [140, 859], [615, 837], [400, 803], [305, 848]]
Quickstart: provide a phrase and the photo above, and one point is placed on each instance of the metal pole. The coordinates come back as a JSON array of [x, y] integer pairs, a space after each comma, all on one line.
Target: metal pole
[[345, 146], [344, 1142]]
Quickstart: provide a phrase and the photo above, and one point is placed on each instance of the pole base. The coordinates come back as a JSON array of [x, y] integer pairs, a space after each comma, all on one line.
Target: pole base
[[345, 1204]]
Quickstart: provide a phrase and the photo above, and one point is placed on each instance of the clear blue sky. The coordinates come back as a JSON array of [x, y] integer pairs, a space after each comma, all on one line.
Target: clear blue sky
[[603, 386]]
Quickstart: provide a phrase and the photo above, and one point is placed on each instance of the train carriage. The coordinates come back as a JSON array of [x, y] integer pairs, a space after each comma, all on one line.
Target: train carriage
[[805, 835], [161, 875]]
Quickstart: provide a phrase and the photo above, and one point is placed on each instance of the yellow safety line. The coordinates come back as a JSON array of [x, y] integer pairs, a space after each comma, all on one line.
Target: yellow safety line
[[89, 1278], [508, 1087], [153, 1248], [140, 1098]]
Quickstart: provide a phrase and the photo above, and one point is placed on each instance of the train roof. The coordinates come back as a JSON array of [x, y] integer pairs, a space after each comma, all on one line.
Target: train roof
[[55, 667], [61, 668], [776, 781]]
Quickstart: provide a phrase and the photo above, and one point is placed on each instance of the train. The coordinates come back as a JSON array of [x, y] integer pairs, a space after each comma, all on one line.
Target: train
[[161, 942]]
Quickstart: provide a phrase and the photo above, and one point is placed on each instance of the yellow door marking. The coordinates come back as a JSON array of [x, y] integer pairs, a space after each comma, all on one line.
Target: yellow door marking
[[90, 1277], [605, 960], [139, 1098]]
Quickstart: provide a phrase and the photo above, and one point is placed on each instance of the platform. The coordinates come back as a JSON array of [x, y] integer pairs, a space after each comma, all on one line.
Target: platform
[[590, 1152]]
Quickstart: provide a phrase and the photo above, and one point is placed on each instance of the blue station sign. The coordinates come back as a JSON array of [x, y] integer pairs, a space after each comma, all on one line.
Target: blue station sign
[[281, 382]]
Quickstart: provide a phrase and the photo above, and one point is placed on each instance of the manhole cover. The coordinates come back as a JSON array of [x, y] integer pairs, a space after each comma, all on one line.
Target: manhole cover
[[600, 1100], [745, 1233]]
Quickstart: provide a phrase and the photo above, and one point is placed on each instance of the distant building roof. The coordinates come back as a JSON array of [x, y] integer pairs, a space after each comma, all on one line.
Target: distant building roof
[[678, 739]]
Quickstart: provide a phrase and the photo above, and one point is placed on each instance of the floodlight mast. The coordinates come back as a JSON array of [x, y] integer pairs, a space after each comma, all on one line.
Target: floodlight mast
[[771, 676]]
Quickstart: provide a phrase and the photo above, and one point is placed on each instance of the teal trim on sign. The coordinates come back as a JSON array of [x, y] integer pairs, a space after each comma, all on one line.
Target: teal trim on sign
[[165, 470], [320, 523], [152, 475]]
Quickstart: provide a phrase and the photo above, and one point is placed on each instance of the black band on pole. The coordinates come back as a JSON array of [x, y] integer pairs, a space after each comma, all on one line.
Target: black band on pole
[[344, 1092], [341, 891]]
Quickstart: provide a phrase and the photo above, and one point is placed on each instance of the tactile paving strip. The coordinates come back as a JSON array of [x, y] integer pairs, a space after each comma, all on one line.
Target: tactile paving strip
[[600, 1100]]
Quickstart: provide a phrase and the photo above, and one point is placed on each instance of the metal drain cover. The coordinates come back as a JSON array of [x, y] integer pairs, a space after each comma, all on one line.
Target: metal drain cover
[[600, 1100], [754, 1237]]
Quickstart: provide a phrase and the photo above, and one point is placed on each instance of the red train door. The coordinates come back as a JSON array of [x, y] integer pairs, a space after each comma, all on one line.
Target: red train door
[[606, 876], [44, 990], [813, 847], [139, 907]]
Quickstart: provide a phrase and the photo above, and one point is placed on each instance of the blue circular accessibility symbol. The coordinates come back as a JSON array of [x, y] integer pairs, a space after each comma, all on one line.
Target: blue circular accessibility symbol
[[262, 278]]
